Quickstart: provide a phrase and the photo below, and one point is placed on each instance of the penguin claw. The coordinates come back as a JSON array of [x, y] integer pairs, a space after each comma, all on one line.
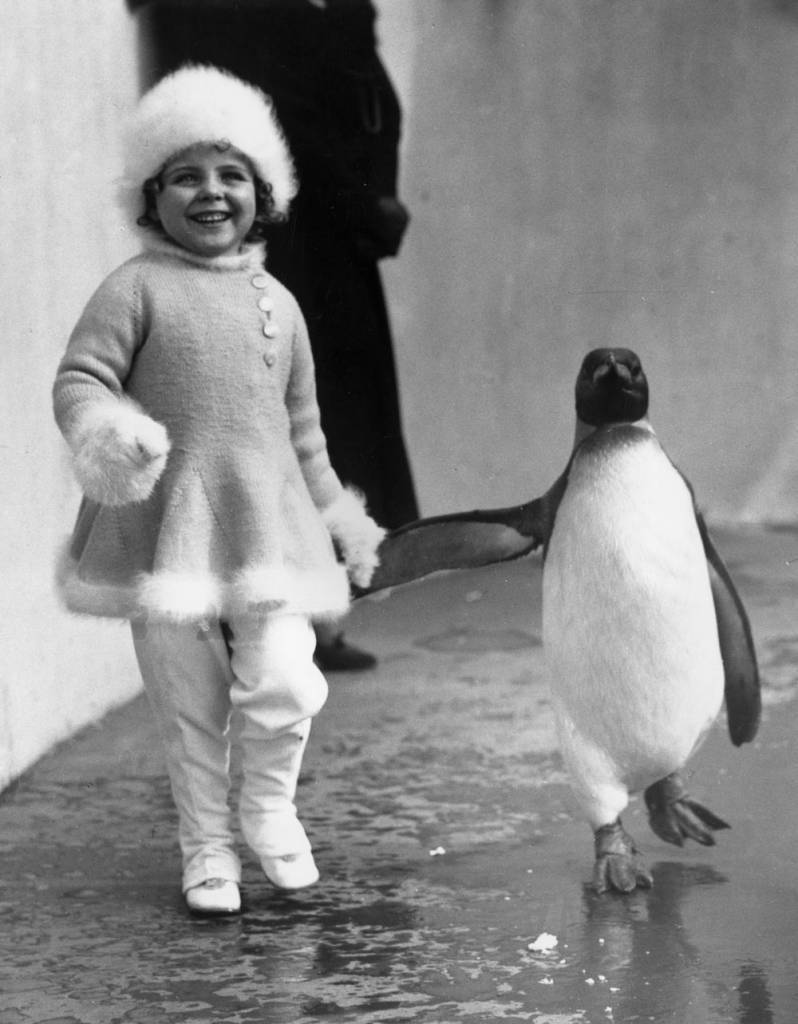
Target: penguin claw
[[674, 816], [686, 819], [618, 863]]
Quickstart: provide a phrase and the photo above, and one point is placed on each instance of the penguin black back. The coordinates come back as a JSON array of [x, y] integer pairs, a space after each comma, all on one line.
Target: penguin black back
[[611, 388]]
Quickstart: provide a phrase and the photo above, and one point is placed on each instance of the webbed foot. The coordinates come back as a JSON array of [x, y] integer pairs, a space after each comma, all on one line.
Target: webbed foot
[[674, 816], [618, 863]]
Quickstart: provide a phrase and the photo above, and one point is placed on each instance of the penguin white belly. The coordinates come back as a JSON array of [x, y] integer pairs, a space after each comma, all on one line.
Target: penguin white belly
[[629, 622]]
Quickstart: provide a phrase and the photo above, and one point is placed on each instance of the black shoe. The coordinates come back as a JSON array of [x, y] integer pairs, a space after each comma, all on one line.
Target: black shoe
[[339, 656]]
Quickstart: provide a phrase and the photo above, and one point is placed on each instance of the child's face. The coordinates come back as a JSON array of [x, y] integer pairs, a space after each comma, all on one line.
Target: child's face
[[207, 200]]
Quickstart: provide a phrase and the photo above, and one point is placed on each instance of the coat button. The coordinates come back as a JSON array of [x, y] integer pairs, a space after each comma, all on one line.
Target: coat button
[[266, 304], [270, 330], [260, 281], [270, 359]]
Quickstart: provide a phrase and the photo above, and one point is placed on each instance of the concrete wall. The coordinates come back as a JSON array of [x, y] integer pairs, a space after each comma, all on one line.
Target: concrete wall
[[580, 172], [68, 69], [584, 173]]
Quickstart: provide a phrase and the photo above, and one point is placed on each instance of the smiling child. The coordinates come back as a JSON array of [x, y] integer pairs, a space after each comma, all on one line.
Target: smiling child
[[187, 398]]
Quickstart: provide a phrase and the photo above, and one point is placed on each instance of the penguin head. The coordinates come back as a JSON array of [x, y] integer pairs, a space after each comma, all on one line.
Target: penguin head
[[611, 388]]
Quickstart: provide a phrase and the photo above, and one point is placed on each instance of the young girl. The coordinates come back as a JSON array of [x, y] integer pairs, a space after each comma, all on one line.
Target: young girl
[[187, 398]]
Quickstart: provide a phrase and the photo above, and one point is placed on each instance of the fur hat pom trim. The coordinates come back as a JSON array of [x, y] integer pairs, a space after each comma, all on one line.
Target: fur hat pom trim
[[119, 452], [201, 103]]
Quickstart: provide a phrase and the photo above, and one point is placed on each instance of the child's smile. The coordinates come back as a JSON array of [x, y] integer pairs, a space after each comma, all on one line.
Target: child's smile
[[207, 200]]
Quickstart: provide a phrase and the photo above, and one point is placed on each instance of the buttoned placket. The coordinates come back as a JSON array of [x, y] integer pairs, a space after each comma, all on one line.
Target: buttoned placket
[[269, 327]]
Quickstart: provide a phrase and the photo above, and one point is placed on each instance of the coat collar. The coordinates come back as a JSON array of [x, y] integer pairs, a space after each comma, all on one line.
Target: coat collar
[[250, 257]]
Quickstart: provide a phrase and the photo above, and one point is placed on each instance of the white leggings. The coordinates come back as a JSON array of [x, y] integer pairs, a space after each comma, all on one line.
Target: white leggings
[[194, 678]]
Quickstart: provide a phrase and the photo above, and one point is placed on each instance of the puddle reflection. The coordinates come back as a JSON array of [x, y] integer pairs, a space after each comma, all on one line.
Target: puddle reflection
[[756, 1002], [329, 957], [666, 962]]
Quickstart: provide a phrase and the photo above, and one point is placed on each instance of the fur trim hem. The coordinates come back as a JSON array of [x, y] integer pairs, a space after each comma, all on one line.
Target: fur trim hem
[[119, 452], [191, 597], [356, 533], [106, 600]]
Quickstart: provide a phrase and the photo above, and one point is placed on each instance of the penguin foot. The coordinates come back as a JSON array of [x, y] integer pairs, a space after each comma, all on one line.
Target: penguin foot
[[674, 816], [618, 863]]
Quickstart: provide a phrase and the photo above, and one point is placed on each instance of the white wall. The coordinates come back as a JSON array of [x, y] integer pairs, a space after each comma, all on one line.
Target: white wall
[[583, 173], [68, 70]]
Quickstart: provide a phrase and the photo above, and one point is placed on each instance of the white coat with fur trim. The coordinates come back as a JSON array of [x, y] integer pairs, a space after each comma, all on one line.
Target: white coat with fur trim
[[187, 396]]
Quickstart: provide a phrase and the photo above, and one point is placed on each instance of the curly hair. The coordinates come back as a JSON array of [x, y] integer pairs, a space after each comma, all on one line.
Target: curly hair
[[265, 209]]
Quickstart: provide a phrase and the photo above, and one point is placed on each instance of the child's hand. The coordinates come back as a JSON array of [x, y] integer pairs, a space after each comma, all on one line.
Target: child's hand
[[120, 452], [356, 534], [360, 553]]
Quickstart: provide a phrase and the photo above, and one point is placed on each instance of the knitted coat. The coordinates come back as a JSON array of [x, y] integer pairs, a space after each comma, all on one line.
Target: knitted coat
[[320, 65], [187, 397]]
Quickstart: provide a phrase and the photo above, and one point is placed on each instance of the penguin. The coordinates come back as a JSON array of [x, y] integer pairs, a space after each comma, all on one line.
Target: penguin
[[644, 632]]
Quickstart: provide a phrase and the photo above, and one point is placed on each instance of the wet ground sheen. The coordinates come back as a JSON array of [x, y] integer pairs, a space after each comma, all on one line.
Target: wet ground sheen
[[447, 842]]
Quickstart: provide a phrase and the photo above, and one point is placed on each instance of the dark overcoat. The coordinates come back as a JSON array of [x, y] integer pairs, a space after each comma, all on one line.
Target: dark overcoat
[[341, 116]]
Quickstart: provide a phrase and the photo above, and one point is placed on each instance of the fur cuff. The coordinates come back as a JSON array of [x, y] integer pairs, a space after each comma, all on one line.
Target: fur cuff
[[119, 452], [356, 534]]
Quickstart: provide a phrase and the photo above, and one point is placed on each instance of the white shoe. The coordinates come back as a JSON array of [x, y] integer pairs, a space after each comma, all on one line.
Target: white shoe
[[292, 871], [214, 896]]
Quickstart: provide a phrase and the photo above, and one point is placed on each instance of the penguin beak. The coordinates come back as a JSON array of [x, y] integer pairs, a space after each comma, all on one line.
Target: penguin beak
[[612, 366]]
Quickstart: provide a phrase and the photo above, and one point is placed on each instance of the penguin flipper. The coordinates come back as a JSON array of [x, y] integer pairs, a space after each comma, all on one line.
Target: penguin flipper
[[465, 540], [742, 685]]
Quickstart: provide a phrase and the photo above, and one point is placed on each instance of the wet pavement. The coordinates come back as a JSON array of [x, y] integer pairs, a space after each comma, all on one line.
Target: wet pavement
[[447, 841]]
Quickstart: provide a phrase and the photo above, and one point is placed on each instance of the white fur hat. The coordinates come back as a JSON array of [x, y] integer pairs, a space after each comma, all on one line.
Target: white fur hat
[[201, 103]]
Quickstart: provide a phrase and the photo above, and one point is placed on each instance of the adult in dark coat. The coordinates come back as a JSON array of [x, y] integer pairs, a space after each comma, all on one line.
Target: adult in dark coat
[[319, 62]]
